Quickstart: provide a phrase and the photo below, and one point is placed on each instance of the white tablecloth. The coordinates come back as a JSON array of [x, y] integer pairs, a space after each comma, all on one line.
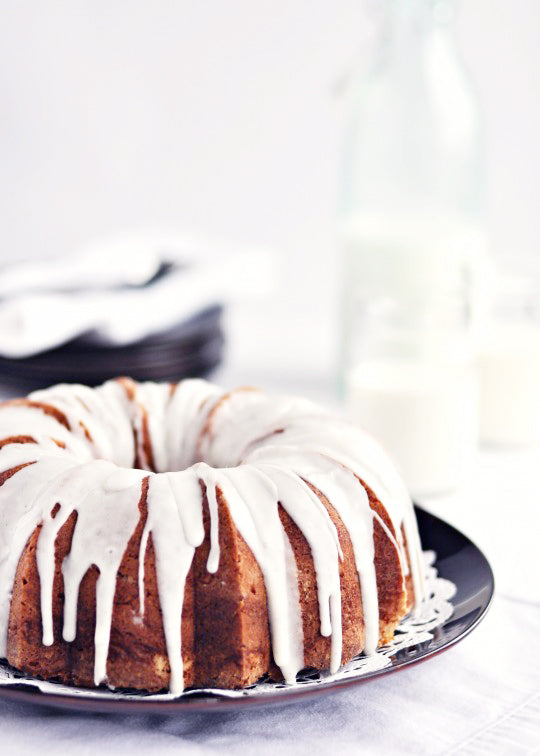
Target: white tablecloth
[[480, 697]]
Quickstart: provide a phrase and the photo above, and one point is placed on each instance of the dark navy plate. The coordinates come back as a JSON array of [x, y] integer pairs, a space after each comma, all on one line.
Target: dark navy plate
[[458, 560]]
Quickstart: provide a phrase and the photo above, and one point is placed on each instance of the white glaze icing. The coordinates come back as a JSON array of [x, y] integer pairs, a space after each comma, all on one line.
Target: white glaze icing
[[260, 452]]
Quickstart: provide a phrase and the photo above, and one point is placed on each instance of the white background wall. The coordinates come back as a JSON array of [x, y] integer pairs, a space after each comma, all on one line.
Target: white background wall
[[219, 117]]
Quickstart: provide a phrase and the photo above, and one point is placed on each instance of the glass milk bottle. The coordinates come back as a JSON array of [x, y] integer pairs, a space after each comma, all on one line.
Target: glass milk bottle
[[411, 239]]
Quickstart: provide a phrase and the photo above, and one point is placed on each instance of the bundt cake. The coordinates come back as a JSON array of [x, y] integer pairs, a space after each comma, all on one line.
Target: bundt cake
[[158, 536]]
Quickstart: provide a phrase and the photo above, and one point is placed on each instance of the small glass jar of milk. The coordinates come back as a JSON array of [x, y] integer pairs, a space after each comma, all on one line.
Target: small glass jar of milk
[[411, 237], [509, 358], [410, 375]]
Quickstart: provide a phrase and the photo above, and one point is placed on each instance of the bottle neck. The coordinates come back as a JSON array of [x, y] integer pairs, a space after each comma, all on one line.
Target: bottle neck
[[405, 20], [412, 138]]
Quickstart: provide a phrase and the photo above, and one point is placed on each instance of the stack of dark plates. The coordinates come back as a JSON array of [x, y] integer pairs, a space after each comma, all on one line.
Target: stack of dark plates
[[193, 348]]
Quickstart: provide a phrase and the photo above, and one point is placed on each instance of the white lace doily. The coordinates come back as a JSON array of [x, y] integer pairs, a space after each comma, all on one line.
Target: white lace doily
[[414, 629]]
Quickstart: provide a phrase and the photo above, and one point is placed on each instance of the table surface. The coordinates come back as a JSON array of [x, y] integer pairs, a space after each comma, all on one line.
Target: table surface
[[481, 697]]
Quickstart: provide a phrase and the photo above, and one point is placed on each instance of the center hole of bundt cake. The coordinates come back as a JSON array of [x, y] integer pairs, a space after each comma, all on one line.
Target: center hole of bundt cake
[[220, 443]]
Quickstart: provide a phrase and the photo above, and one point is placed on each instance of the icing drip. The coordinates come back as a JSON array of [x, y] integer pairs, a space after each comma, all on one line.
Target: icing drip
[[308, 513], [175, 521], [106, 519], [18, 520], [254, 452], [351, 502], [211, 496], [252, 500]]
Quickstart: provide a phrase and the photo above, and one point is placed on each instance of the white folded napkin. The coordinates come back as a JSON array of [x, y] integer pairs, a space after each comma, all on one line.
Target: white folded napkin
[[108, 292], [107, 264]]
